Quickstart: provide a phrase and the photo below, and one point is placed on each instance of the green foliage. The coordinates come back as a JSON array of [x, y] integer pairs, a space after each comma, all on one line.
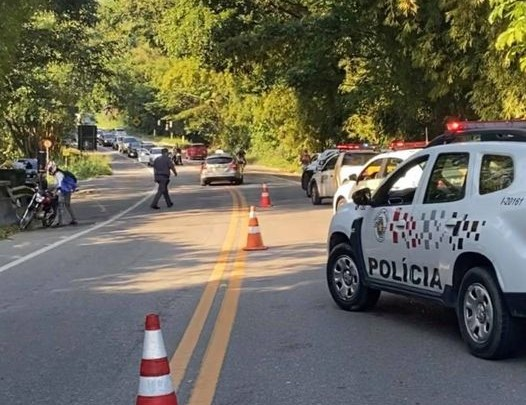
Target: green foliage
[[88, 165]]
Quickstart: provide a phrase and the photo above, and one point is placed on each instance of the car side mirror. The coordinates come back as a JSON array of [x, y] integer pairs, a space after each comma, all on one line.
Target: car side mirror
[[353, 177], [362, 196]]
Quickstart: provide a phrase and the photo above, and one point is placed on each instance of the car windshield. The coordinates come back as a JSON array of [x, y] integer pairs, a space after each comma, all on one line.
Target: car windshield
[[219, 160]]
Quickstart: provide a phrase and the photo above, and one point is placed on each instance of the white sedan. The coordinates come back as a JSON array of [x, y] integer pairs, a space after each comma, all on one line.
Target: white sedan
[[154, 154], [143, 156]]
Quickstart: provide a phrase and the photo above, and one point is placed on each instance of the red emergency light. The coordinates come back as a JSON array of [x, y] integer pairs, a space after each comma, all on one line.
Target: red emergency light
[[454, 126], [350, 146], [403, 145]]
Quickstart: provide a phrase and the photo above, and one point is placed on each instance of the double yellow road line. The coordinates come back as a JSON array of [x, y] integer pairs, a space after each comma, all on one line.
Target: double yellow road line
[[204, 388]]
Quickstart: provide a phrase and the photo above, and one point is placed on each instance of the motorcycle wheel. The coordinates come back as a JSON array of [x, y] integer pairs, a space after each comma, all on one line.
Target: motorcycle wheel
[[26, 219], [48, 219]]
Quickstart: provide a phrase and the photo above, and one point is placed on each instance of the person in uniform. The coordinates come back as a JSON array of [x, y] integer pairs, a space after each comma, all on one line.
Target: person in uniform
[[161, 174]]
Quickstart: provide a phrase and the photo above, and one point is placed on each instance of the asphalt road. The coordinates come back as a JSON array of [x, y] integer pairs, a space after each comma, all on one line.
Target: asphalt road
[[239, 327]]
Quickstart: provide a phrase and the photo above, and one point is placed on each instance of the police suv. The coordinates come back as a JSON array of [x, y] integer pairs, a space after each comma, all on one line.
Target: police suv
[[458, 237]]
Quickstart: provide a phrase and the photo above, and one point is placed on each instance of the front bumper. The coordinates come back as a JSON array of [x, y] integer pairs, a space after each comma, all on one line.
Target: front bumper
[[516, 303]]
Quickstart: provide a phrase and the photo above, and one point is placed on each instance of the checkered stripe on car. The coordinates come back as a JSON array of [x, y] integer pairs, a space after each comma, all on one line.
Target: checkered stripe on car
[[430, 231]]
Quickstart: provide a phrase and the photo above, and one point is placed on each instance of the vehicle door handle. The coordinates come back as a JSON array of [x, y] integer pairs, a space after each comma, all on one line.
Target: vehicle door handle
[[400, 224]]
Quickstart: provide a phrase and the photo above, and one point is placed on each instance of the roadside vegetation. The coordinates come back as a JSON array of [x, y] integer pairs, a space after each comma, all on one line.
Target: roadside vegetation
[[89, 165], [270, 77]]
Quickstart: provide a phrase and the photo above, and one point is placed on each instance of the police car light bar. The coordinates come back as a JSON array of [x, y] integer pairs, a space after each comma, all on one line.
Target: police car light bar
[[350, 146], [401, 145], [454, 126]]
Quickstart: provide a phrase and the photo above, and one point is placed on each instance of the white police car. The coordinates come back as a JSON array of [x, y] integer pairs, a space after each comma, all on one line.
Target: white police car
[[372, 174], [458, 237], [326, 180]]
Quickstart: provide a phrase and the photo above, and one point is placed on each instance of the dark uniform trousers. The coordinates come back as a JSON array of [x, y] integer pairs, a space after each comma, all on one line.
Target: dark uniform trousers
[[162, 190]]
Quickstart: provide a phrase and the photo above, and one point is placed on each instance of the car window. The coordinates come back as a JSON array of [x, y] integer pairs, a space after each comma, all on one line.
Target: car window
[[219, 160], [156, 150], [371, 170], [401, 187], [496, 173], [356, 159], [391, 165], [447, 182], [331, 163]]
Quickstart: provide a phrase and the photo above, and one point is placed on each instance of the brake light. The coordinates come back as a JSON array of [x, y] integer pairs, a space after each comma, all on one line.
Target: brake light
[[232, 166]]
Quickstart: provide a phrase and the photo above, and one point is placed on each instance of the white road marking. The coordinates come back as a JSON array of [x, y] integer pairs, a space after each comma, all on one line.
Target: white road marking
[[74, 236]]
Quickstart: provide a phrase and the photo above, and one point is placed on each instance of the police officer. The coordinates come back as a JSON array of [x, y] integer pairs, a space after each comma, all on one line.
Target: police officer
[[161, 174]]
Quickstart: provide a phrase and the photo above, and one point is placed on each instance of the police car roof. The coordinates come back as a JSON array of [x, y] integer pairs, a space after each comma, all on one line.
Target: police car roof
[[497, 134], [401, 154]]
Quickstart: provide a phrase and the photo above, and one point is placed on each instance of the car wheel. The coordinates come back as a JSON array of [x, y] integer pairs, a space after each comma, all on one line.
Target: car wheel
[[204, 183], [485, 323], [305, 178], [345, 281], [340, 203], [315, 195]]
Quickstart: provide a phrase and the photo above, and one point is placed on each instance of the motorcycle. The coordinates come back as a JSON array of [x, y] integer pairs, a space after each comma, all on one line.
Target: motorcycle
[[178, 159], [43, 206]]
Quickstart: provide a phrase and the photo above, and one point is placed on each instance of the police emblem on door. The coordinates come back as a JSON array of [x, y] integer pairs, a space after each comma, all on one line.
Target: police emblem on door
[[380, 225]]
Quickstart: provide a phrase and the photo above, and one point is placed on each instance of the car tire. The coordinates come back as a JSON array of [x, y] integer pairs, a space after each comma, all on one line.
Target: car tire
[[341, 202], [315, 194], [305, 179], [485, 322], [345, 281], [204, 183]]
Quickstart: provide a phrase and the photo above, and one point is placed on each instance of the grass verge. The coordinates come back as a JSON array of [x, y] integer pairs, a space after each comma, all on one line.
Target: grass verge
[[7, 230], [89, 165], [274, 162]]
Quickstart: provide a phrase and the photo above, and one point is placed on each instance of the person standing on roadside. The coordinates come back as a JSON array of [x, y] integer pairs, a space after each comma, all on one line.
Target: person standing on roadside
[[305, 158], [161, 175], [65, 185]]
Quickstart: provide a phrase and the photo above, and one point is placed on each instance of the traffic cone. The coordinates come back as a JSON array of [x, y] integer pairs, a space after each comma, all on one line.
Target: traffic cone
[[264, 201], [254, 240], [155, 382]]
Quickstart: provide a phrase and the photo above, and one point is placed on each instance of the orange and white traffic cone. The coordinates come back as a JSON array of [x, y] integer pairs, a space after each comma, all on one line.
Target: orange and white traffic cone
[[264, 201], [155, 382], [254, 240]]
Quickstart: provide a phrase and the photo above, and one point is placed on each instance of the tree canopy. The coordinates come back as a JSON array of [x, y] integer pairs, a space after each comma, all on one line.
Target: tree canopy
[[274, 76]]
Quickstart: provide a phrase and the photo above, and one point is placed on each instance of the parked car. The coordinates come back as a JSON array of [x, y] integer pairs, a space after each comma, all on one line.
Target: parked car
[[326, 180], [316, 163], [31, 168], [374, 171], [457, 237], [147, 145], [125, 144], [154, 153], [117, 142], [221, 167], [107, 139], [143, 156], [196, 151], [132, 149]]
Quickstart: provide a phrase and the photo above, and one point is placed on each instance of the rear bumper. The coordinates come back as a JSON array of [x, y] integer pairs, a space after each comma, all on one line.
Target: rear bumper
[[215, 177]]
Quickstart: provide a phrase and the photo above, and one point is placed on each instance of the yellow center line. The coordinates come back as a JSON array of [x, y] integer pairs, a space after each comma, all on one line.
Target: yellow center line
[[181, 358], [206, 383]]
